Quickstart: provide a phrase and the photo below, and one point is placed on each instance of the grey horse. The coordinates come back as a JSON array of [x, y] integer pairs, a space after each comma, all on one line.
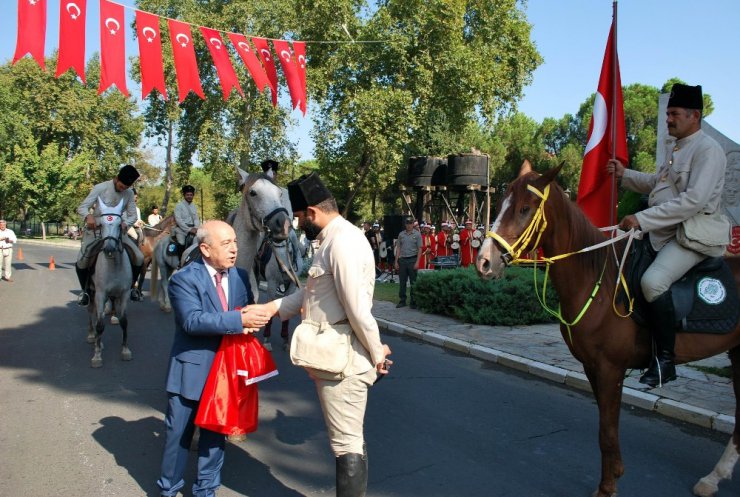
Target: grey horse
[[111, 281], [165, 263]]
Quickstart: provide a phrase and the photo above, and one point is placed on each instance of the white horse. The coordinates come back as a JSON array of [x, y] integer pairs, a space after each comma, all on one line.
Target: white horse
[[281, 273], [111, 281], [262, 210], [166, 263]]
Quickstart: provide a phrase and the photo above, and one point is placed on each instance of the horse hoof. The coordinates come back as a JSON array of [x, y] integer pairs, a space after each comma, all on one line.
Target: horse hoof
[[113, 320], [96, 363], [705, 489], [126, 355]]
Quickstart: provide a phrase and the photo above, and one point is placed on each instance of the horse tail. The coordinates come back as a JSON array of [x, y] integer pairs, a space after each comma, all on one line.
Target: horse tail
[[154, 278]]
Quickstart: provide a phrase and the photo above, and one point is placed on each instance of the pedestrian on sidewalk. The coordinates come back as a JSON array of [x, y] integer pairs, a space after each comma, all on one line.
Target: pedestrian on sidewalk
[[336, 302], [408, 254], [7, 239]]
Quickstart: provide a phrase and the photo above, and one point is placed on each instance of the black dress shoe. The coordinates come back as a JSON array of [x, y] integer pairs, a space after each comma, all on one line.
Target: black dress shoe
[[83, 300]]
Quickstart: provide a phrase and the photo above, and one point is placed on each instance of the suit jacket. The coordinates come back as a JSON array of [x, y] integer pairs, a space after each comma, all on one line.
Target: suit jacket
[[200, 323]]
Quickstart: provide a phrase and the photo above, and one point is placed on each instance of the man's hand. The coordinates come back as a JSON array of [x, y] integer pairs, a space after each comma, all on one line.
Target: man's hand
[[193, 230], [90, 221], [616, 167], [254, 317], [629, 222], [384, 366]]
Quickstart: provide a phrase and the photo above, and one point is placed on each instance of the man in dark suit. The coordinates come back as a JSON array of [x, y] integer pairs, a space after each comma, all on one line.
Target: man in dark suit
[[211, 298]]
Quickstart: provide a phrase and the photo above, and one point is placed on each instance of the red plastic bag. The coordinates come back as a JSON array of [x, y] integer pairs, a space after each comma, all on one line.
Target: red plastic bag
[[229, 403]]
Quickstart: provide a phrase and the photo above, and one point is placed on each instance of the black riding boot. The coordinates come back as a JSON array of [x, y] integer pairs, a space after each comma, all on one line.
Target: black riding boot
[[82, 276], [663, 325], [135, 292], [351, 475]]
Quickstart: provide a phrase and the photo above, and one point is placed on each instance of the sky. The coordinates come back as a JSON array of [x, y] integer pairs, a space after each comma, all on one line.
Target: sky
[[698, 42]]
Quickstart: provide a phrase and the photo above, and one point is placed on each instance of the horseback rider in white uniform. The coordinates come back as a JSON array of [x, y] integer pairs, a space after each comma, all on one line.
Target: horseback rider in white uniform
[[111, 193], [186, 217]]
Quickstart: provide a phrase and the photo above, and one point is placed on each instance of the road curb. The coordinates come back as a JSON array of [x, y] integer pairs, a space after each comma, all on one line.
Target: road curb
[[630, 396]]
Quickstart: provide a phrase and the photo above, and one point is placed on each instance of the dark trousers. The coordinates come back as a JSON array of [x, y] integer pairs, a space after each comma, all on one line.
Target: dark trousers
[[406, 270], [179, 429]]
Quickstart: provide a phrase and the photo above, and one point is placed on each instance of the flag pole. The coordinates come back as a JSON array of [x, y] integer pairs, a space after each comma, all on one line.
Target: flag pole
[[613, 145]]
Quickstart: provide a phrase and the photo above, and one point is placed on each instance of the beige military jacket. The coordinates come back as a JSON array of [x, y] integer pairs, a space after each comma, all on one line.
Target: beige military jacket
[[340, 286], [690, 182]]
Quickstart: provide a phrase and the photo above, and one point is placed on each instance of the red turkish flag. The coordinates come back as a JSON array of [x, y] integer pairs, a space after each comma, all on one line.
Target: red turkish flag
[[150, 54], [594, 188], [299, 49], [72, 16], [264, 54], [250, 60], [112, 47], [186, 65], [31, 31], [220, 56], [290, 68]]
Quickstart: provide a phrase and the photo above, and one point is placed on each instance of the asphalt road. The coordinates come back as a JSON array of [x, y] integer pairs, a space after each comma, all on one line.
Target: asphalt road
[[442, 424]]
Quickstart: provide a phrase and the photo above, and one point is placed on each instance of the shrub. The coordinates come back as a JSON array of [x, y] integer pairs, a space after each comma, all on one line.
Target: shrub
[[461, 294]]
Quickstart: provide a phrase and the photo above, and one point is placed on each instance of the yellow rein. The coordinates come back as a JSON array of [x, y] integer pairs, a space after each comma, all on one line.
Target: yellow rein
[[537, 227]]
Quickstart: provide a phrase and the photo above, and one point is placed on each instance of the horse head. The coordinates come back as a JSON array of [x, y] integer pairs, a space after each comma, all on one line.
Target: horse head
[[520, 224], [266, 204], [110, 227]]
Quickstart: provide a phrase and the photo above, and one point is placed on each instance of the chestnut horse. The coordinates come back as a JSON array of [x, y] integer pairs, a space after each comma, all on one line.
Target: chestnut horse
[[535, 213]]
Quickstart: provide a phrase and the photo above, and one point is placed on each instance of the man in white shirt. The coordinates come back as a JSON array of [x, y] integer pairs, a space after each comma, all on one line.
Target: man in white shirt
[[7, 239], [186, 217]]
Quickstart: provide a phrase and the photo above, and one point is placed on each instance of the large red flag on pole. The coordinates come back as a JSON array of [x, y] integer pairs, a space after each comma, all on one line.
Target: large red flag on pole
[[607, 139], [31, 30], [150, 54], [186, 65], [72, 37], [220, 56], [112, 47]]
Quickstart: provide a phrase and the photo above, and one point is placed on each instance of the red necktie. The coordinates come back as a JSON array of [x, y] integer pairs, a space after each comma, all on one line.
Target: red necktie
[[220, 290]]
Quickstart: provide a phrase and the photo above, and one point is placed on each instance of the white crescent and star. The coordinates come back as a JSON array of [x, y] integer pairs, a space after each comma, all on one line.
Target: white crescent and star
[[110, 20], [182, 43], [600, 117], [302, 61], [73, 6], [285, 55], [149, 29], [266, 53], [243, 45], [215, 42]]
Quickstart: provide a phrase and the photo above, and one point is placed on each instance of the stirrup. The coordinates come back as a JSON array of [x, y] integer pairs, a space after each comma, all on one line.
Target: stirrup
[[83, 300], [136, 295]]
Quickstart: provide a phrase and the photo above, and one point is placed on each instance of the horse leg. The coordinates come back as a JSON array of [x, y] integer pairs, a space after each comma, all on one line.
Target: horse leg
[[164, 290], [125, 351], [709, 485], [284, 334], [100, 303], [91, 322], [606, 383], [267, 333]]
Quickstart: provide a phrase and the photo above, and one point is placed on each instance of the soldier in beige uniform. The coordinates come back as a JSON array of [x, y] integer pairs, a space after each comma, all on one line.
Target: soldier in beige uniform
[[339, 292], [689, 184]]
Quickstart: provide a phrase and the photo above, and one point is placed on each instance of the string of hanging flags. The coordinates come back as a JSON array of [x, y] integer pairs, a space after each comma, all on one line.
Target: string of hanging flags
[[254, 51]]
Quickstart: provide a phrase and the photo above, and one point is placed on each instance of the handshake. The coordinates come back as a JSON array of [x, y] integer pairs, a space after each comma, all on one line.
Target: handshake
[[256, 316]]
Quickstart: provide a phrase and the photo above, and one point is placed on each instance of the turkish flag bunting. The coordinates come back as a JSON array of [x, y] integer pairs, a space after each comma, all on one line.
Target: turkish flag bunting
[[72, 37], [299, 49], [594, 188], [263, 51], [150, 54], [290, 68], [112, 47], [31, 30], [250, 60], [220, 56], [186, 66]]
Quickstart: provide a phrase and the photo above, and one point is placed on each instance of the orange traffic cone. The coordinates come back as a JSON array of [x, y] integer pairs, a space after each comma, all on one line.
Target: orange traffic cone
[[52, 266], [20, 254]]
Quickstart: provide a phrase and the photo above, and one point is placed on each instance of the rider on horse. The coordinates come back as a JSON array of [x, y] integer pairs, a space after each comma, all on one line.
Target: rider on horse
[[688, 185], [186, 218], [111, 193]]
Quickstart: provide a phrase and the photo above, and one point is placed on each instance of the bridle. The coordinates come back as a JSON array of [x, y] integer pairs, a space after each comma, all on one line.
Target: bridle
[[116, 239]]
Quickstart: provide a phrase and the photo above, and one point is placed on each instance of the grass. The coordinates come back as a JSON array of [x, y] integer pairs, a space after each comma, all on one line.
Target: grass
[[387, 292], [725, 372]]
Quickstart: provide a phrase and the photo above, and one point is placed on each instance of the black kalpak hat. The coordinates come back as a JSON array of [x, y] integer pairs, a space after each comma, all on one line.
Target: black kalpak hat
[[307, 191], [269, 164], [688, 97], [128, 174], [187, 189]]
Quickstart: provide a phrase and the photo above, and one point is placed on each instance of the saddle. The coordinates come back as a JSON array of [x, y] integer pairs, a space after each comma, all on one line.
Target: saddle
[[705, 299]]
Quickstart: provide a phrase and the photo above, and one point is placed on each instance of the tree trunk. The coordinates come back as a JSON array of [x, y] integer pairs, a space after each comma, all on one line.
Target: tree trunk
[[43, 230], [363, 169], [167, 170]]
